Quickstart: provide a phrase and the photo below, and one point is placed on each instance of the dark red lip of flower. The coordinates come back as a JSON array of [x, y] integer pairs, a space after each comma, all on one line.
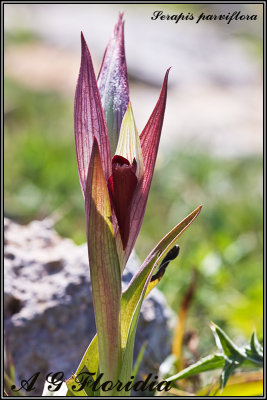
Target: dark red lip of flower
[[121, 185]]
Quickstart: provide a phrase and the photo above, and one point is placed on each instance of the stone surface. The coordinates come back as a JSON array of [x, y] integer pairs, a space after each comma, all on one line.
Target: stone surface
[[49, 318]]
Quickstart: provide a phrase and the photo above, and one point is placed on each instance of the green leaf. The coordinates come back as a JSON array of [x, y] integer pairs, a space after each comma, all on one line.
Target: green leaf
[[104, 268], [251, 354], [131, 302], [231, 358], [90, 359], [234, 356], [80, 384], [134, 294], [255, 345], [226, 345], [255, 350], [205, 364], [89, 363], [228, 370]]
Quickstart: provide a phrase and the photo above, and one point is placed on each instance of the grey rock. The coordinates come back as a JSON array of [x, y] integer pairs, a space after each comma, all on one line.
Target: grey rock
[[49, 317]]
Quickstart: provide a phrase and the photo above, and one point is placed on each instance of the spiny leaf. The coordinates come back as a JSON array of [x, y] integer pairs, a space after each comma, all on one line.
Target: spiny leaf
[[252, 354], [232, 358], [255, 345], [227, 371], [255, 351], [225, 343]]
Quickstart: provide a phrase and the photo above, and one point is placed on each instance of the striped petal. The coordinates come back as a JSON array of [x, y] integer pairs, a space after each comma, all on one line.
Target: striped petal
[[149, 140], [89, 119], [113, 83], [129, 143]]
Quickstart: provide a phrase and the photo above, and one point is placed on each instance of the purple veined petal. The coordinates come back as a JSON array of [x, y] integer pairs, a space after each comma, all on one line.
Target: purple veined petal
[[124, 179], [104, 266], [149, 140], [89, 119], [113, 83]]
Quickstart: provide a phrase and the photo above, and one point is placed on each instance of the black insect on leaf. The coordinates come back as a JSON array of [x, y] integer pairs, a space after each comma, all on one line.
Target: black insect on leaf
[[171, 255]]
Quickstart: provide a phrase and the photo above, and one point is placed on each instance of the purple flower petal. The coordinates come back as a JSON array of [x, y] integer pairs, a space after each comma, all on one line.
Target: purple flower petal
[[89, 120], [113, 83], [149, 140]]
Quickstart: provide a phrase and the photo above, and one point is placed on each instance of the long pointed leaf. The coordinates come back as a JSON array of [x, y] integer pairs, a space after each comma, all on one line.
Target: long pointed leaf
[[89, 119], [134, 294], [131, 304], [113, 83], [149, 140], [228, 369], [104, 267], [208, 363], [225, 343], [255, 350]]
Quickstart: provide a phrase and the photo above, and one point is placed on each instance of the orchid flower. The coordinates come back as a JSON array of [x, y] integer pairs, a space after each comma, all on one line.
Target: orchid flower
[[129, 172], [115, 167]]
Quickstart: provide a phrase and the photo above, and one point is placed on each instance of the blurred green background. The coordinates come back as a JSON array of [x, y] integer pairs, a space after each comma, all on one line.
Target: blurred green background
[[224, 244]]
